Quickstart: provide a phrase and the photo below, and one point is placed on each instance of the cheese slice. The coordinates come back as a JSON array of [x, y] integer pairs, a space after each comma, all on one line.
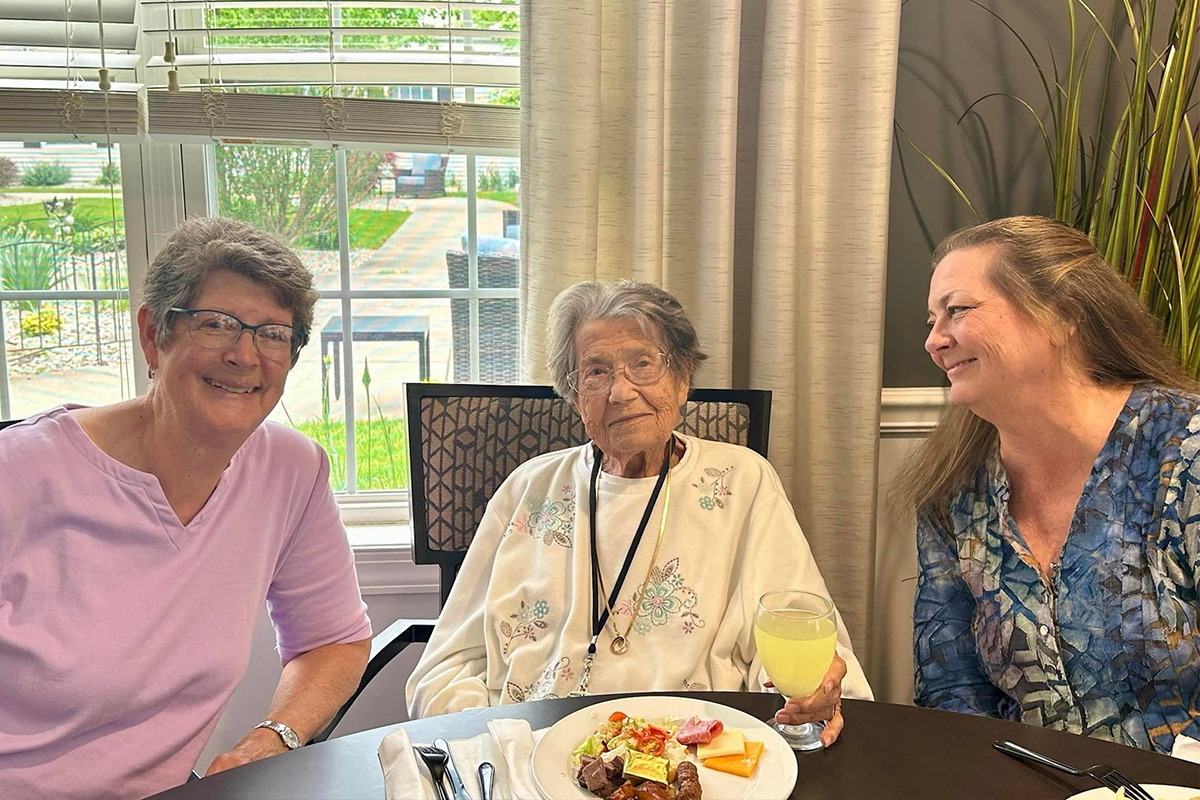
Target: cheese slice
[[743, 764], [728, 742]]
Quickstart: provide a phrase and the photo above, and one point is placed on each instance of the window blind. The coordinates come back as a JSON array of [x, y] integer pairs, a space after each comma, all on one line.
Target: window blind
[[68, 68], [334, 70]]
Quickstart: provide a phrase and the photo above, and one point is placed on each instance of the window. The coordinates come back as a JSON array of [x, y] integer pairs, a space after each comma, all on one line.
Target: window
[[64, 307], [426, 284]]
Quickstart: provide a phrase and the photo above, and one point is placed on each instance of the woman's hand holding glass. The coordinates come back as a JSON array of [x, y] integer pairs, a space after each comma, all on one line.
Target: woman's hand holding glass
[[825, 705], [796, 635]]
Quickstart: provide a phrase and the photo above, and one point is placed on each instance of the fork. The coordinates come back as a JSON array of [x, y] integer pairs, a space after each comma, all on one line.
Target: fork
[[435, 760], [1102, 773]]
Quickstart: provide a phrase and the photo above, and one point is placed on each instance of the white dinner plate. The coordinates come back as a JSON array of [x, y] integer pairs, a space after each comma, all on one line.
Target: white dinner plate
[[773, 780], [1158, 790]]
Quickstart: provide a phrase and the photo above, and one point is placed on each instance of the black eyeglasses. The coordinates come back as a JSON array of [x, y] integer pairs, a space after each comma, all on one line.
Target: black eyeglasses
[[217, 330]]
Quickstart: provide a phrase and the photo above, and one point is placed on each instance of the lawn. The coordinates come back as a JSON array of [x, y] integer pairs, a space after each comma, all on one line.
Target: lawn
[[95, 210], [60, 190], [369, 229], [381, 457], [503, 195]]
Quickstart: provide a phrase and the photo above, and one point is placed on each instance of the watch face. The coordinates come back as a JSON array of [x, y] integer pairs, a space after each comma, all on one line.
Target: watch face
[[290, 738]]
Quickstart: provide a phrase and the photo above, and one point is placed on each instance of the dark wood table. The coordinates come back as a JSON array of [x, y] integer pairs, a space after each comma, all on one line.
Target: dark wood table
[[886, 751]]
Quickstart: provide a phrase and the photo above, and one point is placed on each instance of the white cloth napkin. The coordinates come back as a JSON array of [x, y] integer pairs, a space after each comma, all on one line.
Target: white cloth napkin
[[1186, 748], [508, 744]]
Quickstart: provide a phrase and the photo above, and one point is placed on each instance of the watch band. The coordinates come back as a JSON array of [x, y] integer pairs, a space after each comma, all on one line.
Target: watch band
[[291, 740]]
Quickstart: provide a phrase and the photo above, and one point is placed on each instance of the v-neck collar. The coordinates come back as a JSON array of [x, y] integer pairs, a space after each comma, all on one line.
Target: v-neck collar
[[1001, 488], [176, 531]]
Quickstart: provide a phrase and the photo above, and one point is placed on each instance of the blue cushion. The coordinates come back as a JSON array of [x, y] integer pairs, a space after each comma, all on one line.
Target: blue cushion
[[495, 245]]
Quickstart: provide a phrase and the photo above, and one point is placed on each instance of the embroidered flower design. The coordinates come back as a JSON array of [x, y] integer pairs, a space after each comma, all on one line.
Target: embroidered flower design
[[666, 598], [659, 603], [528, 620], [551, 521], [543, 687], [713, 488]]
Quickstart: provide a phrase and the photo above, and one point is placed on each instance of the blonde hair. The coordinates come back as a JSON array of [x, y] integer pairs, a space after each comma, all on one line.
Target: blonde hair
[[1053, 274]]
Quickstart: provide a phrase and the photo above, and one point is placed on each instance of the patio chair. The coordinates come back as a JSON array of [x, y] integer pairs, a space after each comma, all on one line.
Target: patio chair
[[510, 223], [498, 333], [426, 178], [465, 439]]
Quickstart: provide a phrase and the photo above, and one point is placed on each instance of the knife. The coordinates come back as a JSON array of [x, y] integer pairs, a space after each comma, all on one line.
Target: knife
[[460, 791]]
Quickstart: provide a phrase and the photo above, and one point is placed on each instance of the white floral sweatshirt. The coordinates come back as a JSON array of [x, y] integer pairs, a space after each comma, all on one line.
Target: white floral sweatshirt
[[517, 624]]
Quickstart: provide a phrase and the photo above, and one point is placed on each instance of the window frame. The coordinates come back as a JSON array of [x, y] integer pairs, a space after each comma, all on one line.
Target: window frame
[[369, 507]]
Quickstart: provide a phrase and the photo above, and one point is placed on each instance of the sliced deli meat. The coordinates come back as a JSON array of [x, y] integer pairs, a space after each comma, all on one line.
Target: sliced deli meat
[[699, 731]]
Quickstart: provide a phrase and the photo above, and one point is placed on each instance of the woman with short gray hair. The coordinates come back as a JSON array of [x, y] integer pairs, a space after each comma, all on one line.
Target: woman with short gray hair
[[684, 536], [141, 539]]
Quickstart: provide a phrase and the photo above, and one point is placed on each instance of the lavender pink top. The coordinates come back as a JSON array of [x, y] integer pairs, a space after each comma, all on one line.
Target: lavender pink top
[[122, 632]]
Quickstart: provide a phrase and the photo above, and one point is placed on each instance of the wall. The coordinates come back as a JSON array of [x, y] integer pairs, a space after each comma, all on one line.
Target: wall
[[952, 52]]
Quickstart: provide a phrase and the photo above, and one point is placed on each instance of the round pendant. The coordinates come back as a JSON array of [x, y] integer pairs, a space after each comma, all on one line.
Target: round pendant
[[619, 645]]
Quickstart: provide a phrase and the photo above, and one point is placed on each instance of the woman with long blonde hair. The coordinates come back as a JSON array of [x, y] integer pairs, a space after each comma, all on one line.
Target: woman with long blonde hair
[[1057, 499]]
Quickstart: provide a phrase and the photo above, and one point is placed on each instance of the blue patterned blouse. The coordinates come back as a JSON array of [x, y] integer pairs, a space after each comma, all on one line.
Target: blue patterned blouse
[[1110, 647]]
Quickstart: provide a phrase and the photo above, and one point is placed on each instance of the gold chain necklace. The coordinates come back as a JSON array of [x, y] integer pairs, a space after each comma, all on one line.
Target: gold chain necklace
[[620, 642]]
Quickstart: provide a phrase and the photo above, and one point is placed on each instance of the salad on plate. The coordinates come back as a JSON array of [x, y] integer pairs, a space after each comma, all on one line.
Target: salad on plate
[[632, 758]]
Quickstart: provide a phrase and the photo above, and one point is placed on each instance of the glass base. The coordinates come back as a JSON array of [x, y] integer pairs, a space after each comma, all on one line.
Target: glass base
[[803, 737]]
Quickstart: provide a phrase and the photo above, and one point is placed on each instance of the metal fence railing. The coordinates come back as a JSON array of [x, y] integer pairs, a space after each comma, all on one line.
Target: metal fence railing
[[56, 296]]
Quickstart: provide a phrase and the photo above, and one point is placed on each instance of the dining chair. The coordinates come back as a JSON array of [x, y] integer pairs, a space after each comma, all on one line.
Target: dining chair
[[465, 439]]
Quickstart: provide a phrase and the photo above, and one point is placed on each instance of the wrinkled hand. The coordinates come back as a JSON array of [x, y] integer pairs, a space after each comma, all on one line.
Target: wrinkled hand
[[823, 704], [254, 746]]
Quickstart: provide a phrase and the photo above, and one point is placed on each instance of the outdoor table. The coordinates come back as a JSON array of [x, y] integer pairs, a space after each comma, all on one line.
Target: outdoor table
[[885, 751], [403, 328]]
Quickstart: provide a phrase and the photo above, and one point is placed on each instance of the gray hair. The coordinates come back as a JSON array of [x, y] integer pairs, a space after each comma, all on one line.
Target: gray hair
[[203, 246], [656, 310]]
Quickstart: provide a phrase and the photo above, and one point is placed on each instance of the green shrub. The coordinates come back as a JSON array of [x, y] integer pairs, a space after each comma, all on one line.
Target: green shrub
[[46, 174], [8, 173], [43, 323], [110, 175], [30, 265]]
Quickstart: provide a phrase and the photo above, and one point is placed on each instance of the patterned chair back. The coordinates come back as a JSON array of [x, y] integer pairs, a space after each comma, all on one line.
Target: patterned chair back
[[465, 439]]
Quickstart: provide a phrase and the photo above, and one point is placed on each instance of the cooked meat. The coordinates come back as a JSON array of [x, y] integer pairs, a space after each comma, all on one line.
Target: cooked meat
[[699, 731], [649, 790], [687, 782], [592, 774], [625, 792]]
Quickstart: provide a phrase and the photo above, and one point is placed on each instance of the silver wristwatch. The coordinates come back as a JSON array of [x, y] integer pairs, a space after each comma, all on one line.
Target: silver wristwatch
[[290, 738]]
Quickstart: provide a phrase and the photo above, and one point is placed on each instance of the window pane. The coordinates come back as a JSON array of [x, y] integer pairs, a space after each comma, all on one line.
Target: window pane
[[400, 238], [292, 193], [313, 398], [395, 342], [498, 183], [62, 228]]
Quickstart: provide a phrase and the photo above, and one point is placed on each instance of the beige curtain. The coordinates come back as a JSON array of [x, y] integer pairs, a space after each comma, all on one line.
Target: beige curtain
[[737, 153]]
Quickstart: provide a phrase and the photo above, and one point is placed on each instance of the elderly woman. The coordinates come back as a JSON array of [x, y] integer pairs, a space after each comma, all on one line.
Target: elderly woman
[[140, 539], [674, 608], [1057, 498]]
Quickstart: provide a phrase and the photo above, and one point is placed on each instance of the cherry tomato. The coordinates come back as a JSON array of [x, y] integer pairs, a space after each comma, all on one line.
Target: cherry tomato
[[617, 716], [653, 747]]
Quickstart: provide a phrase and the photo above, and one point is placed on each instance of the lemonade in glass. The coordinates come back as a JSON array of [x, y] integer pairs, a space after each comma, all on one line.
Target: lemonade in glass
[[796, 634]]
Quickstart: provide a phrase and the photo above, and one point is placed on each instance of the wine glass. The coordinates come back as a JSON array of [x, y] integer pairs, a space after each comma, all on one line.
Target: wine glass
[[796, 633]]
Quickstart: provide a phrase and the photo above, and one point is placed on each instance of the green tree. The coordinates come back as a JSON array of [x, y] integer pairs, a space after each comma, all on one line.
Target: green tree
[[289, 191]]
